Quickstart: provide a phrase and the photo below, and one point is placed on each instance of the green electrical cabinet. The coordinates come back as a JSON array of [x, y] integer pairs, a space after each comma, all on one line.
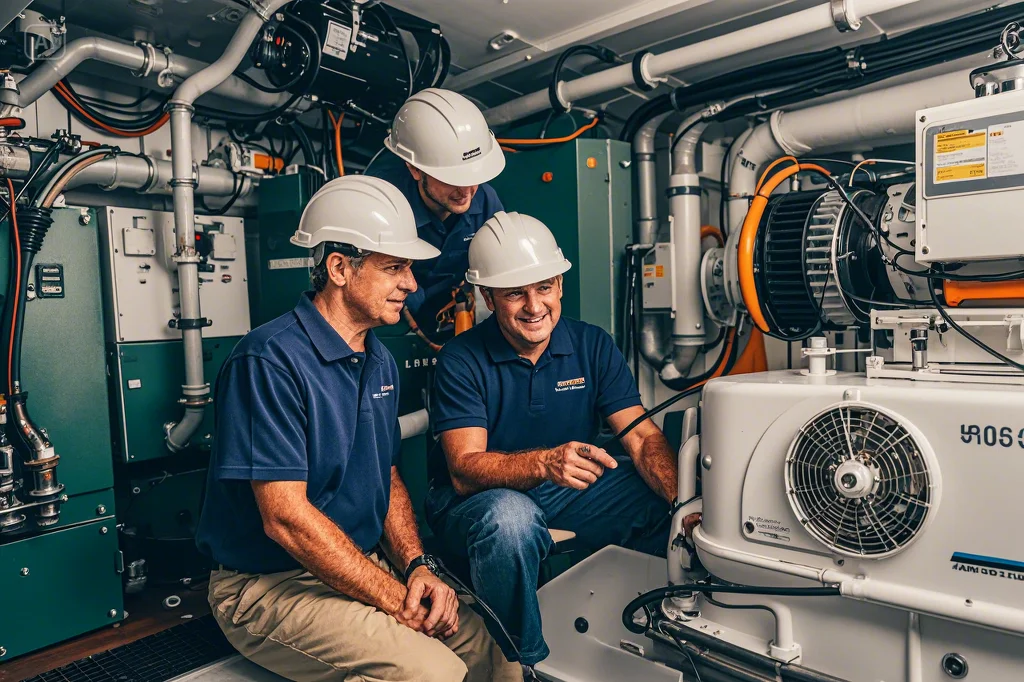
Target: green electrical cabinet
[[72, 570], [582, 190], [146, 381]]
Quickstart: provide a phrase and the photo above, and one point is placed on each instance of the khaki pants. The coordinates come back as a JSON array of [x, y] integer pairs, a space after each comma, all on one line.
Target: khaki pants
[[294, 625]]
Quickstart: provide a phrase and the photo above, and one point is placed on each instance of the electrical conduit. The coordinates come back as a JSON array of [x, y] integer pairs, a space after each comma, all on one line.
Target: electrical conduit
[[784, 28], [195, 390]]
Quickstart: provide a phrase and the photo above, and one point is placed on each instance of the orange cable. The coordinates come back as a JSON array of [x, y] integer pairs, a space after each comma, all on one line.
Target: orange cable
[[17, 284], [712, 231], [336, 122], [70, 99], [773, 164], [748, 237], [550, 140]]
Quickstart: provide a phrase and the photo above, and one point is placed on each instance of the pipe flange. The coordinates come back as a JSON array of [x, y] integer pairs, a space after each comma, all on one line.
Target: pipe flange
[[844, 16], [149, 58], [151, 176], [195, 402]]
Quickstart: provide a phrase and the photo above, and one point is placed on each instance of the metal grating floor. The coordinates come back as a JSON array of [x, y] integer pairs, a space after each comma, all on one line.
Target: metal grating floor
[[156, 658]]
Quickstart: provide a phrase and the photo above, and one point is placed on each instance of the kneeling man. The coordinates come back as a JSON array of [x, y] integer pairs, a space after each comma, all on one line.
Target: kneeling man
[[517, 405]]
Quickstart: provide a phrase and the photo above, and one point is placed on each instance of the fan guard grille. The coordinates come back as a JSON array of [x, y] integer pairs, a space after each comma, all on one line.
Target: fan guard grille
[[858, 481]]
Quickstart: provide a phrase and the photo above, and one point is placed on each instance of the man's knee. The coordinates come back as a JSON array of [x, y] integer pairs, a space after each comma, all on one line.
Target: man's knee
[[513, 521], [444, 666]]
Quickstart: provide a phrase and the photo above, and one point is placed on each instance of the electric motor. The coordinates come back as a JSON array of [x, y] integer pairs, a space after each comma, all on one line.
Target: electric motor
[[818, 266]]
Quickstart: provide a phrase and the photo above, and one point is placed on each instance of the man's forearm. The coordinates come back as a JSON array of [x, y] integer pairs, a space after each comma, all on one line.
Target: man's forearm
[[329, 554], [486, 470], [657, 465], [401, 539]]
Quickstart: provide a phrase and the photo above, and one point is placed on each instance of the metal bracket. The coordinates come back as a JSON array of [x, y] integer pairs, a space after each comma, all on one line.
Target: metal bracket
[[149, 58], [844, 16], [189, 323]]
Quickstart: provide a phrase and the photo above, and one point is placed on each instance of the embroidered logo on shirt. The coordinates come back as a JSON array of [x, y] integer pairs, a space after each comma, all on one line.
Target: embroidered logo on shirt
[[571, 384], [385, 391], [469, 238]]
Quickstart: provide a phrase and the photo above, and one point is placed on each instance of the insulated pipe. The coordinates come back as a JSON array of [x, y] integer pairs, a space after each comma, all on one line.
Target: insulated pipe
[[653, 342], [153, 176], [684, 206], [745, 40], [413, 424], [195, 390], [879, 114], [137, 58]]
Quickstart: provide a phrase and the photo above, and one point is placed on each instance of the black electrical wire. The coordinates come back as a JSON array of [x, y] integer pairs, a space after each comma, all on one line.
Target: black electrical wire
[[295, 80], [308, 153], [136, 121], [684, 650], [970, 337], [238, 182], [602, 53], [656, 595]]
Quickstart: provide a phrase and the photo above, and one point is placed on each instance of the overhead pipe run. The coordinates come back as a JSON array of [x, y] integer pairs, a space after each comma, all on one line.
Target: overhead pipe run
[[153, 176], [144, 61], [830, 15], [195, 390]]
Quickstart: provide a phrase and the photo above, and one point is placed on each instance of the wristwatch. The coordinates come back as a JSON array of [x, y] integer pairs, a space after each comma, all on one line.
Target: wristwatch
[[423, 560]]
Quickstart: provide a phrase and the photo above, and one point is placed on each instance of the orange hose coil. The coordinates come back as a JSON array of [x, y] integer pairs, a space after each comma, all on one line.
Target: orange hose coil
[[748, 234]]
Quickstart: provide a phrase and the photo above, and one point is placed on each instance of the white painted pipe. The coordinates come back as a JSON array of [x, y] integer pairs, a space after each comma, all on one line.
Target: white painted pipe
[[195, 390], [132, 57], [880, 114], [745, 40], [413, 424], [153, 176], [914, 669]]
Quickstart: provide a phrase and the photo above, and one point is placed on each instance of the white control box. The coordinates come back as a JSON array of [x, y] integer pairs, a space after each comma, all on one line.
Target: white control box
[[141, 280], [656, 282], [970, 180]]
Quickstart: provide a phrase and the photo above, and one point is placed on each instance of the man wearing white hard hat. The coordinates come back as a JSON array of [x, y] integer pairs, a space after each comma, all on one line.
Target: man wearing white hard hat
[[320, 572], [440, 154], [518, 402]]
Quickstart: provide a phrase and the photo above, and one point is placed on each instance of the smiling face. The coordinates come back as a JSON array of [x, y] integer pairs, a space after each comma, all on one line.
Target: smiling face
[[527, 315], [441, 198], [374, 287]]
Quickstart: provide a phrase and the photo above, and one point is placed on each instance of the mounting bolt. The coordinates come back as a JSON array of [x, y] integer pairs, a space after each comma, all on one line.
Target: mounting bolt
[[24, 571], [104, 530], [112, 613], [84, 217], [101, 510], [922, 119], [925, 250], [3, 652]]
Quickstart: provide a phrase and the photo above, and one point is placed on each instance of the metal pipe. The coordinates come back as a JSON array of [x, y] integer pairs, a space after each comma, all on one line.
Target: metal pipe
[[653, 342], [914, 669], [413, 424], [791, 26], [684, 206], [195, 390], [153, 176], [884, 113], [137, 58]]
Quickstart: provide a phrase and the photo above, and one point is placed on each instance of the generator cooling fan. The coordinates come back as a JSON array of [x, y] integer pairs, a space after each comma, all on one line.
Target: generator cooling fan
[[860, 481]]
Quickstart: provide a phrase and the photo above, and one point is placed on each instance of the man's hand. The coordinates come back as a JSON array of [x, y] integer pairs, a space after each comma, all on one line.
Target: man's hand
[[442, 619], [575, 465]]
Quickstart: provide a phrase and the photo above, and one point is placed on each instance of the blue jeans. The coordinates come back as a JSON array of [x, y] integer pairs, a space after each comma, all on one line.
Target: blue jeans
[[503, 533]]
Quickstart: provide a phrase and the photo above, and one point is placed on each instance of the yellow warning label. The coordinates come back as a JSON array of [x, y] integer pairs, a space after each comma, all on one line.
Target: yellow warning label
[[660, 271], [959, 142], [974, 170]]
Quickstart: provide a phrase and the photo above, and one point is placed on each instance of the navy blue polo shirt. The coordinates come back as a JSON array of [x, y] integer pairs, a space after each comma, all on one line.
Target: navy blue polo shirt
[[296, 403], [580, 380], [438, 276]]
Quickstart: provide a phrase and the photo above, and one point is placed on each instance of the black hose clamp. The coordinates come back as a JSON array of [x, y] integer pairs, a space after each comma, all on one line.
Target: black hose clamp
[[189, 323], [685, 189], [640, 77]]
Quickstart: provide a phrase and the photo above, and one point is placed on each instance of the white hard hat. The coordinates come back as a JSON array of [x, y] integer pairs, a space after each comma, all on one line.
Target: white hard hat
[[366, 212], [444, 135], [513, 250]]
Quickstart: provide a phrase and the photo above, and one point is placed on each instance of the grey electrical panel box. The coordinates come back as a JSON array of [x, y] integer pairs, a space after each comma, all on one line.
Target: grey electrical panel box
[[141, 279], [657, 278]]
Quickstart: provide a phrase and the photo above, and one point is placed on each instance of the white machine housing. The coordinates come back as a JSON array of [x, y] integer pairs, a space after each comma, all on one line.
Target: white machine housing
[[963, 573]]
